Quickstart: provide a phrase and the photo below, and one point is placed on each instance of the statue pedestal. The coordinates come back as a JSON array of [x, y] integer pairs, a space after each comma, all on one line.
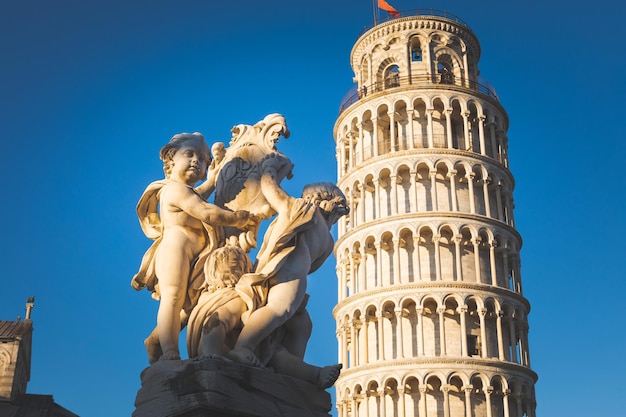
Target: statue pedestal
[[221, 388]]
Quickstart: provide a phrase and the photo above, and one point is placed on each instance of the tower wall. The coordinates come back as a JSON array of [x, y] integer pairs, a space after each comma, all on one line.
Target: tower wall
[[431, 318]]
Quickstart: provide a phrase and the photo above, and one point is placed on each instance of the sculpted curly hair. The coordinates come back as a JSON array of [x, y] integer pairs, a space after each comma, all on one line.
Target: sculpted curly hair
[[177, 142], [225, 266], [327, 196]]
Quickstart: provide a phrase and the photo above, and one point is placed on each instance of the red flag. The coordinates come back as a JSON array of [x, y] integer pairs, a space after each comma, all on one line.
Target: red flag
[[382, 4]]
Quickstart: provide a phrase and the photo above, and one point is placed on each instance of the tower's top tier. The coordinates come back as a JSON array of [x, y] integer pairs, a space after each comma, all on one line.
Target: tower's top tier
[[426, 44]]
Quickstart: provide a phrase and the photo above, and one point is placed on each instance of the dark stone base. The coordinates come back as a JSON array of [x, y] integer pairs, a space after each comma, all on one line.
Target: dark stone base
[[221, 388]]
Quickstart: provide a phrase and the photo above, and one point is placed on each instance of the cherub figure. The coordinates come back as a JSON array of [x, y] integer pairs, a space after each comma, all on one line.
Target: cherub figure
[[296, 244], [219, 152], [215, 322], [217, 316], [184, 231]]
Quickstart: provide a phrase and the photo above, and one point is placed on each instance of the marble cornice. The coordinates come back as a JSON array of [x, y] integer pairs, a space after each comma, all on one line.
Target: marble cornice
[[434, 154], [459, 217], [398, 291], [452, 364]]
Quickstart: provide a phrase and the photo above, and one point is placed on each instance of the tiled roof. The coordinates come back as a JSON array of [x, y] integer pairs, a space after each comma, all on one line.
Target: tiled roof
[[33, 405], [10, 330]]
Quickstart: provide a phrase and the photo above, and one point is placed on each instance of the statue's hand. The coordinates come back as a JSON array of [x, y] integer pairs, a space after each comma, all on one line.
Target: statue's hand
[[245, 220], [280, 164]]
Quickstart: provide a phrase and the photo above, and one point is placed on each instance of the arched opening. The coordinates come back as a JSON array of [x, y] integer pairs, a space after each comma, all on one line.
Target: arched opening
[[392, 76]]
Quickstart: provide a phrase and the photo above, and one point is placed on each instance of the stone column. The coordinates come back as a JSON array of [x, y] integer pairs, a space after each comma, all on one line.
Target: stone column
[[499, 201], [376, 215], [400, 332], [381, 336], [468, 400], [363, 270], [442, 331], [445, 389], [375, 136], [448, 113], [492, 262], [463, 318], [481, 134], [429, 127], [422, 401], [396, 260], [379, 265], [436, 239], [500, 335], [402, 403], [338, 157], [476, 242], [433, 189], [344, 156], [362, 204], [505, 402], [488, 391], [470, 188], [483, 332], [416, 257], [486, 183], [513, 339], [392, 132], [452, 179], [366, 340], [361, 144], [354, 343], [420, 332], [413, 181], [409, 112], [383, 402], [457, 257], [344, 350], [393, 185], [466, 139]]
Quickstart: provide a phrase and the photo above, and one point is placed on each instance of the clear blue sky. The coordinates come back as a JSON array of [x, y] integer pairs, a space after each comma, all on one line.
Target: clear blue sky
[[90, 91]]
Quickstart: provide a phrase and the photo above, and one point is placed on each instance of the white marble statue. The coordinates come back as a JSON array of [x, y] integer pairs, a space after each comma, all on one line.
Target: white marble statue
[[199, 265], [183, 225]]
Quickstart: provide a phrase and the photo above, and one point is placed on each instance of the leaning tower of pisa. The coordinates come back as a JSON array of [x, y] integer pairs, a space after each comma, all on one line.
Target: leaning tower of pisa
[[431, 318]]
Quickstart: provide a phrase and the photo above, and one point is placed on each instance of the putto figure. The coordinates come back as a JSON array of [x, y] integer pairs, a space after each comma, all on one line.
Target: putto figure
[[185, 228], [296, 244]]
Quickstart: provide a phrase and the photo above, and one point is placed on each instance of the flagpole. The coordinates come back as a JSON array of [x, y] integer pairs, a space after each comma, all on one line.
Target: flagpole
[[374, 10]]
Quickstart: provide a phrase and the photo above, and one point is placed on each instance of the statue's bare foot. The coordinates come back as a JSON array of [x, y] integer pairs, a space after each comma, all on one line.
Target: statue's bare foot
[[328, 375], [153, 347], [245, 356], [170, 355]]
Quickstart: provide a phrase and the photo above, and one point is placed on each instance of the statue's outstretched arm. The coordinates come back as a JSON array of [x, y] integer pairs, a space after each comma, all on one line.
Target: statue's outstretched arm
[[278, 199], [207, 187]]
